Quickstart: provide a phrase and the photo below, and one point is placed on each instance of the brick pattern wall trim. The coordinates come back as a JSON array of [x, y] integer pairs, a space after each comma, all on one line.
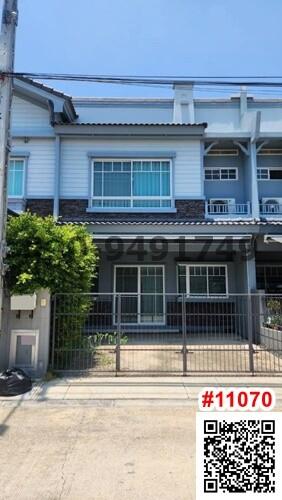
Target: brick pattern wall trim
[[191, 209], [41, 207], [75, 210]]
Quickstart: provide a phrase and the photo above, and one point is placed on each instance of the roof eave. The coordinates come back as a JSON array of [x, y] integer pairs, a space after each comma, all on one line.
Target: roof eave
[[140, 130], [47, 97]]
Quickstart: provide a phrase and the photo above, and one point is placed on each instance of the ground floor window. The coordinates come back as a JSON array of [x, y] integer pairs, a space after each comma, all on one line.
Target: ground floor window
[[141, 289], [202, 280], [269, 278]]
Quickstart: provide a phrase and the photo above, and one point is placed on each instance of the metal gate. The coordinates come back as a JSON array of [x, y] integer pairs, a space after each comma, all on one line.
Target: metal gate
[[154, 333]]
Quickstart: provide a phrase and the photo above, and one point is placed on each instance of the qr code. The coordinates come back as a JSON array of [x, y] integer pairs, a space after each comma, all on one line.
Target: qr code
[[239, 455]]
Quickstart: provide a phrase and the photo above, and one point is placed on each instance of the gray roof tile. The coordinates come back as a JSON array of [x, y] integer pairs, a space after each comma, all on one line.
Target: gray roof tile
[[112, 221]]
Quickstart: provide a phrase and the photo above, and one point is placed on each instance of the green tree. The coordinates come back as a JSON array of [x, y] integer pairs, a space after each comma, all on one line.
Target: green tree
[[44, 254]]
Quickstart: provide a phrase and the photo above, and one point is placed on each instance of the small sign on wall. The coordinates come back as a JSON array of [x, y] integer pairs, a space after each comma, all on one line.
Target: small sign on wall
[[23, 302]]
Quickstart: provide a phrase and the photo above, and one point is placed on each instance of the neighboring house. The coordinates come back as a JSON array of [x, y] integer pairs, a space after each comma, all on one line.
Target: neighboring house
[[196, 182]]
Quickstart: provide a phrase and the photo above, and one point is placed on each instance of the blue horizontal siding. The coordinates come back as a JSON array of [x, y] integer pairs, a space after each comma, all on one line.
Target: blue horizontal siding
[[227, 189]]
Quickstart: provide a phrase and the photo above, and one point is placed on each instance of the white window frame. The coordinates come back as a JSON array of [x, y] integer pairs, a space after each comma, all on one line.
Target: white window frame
[[213, 295], [13, 348], [24, 160], [138, 294], [268, 169], [220, 178], [132, 198]]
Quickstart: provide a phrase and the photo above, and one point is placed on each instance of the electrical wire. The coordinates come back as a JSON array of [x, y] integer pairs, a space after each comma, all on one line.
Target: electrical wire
[[149, 80], [219, 86]]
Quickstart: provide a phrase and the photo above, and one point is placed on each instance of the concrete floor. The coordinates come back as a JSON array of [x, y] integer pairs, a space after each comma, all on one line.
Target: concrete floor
[[105, 438]]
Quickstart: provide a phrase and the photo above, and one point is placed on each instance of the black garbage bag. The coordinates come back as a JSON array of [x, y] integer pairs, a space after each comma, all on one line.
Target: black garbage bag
[[14, 382]]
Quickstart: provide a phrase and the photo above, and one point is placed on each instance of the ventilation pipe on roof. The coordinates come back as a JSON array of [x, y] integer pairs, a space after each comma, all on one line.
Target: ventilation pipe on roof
[[183, 109]]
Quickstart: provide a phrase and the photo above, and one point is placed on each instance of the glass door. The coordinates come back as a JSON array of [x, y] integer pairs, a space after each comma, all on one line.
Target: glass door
[[142, 293], [126, 284], [152, 295]]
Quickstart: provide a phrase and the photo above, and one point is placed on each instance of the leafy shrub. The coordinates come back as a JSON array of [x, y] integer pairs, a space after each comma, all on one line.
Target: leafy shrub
[[275, 317], [60, 258], [43, 254]]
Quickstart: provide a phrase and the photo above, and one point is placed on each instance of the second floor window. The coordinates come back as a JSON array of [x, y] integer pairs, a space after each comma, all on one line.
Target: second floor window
[[221, 174], [16, 178], [131, 184], [269, 174]]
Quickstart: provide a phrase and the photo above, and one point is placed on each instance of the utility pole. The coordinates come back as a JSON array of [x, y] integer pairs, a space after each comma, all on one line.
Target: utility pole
[[7, 55]]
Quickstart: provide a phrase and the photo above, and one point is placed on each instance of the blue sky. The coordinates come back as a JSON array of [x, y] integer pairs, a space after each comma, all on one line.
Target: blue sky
[[148, 37]]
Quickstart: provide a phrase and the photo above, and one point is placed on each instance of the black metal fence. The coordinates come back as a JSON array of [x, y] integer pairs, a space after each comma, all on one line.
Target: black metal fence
[[166, 333]]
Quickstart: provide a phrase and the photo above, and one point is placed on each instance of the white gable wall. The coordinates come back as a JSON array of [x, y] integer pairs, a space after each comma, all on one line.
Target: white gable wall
[[40, 165], [75, 162], [28, 116]]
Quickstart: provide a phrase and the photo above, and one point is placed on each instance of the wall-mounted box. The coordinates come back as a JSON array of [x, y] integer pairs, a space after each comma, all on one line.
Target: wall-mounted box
[[23, 302], [24, 349]]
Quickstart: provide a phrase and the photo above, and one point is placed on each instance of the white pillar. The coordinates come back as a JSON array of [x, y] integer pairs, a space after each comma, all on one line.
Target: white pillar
[[183, 110], [254, 181]]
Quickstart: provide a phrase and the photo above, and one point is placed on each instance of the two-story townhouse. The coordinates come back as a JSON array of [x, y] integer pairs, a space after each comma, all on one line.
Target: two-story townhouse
[[182, 195]]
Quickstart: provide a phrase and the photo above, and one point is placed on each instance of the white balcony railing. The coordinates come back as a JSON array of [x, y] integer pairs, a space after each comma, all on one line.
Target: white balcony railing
[[270, 209], [228, 209]]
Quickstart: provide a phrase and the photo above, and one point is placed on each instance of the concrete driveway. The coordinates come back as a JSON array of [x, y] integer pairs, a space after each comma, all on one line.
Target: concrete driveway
[[84, 452]]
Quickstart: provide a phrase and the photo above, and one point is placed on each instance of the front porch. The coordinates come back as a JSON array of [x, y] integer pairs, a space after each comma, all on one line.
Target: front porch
[[169, 300], [241, 334], [152, 277]]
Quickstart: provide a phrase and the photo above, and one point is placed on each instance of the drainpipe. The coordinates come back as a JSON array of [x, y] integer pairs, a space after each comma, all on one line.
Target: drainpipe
[[57, 176], [183, 109]]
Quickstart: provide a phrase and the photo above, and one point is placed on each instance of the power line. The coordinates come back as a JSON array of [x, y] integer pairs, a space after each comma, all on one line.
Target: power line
[[153, 80], [155, 77]]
